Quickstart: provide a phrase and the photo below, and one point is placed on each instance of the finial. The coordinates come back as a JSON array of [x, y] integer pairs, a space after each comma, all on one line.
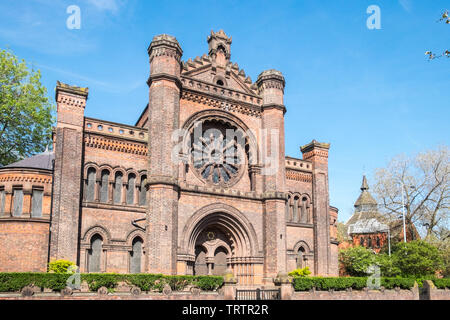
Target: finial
[[364, 185]]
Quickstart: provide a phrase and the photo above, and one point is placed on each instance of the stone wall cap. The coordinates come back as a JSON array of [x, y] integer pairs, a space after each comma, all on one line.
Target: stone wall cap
[[314, 144], [60, 86]]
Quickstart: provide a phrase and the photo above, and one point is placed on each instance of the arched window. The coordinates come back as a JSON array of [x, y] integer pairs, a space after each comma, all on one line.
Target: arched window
[[288, 205], [369, 242], [104, 186], [305, 210], [378, 241], [300, 254], [136, 255], [95, 254], [118, 188], [220, 261], [296, 212], [143, 192], [200, 267], [361, 242], [130, 188], [90, 187]]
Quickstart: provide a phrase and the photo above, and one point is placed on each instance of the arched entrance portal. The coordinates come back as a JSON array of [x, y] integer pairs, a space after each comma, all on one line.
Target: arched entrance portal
[[213, 248], [218, 239]]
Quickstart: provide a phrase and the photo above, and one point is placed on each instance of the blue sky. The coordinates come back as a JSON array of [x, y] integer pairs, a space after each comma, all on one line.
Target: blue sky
[[371, 93]]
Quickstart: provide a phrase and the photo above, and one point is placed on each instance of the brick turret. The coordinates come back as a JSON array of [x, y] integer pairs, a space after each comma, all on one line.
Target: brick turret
[[164, 109], [271, 87], [71, 102]]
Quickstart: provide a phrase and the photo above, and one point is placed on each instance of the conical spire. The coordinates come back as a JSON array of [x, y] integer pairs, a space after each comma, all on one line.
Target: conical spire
[[365, 201], [364, 185]]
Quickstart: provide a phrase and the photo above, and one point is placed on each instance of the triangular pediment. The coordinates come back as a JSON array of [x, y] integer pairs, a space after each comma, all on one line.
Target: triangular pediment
[[203, 69]]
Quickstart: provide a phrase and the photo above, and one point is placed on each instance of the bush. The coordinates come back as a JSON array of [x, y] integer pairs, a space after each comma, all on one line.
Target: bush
[[343, 283], [60, 266], [442, 283], [356, 260], [300, 272], [417, 258], [14, 282]]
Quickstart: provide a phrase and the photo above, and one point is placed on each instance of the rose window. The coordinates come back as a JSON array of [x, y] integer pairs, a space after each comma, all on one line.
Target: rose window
[[217, 155]]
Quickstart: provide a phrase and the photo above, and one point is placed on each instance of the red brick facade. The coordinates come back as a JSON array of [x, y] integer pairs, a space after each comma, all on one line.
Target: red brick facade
[[117, 187]]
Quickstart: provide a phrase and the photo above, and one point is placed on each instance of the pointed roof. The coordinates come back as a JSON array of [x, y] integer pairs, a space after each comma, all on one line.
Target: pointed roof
[[365, 198], [39, 161]]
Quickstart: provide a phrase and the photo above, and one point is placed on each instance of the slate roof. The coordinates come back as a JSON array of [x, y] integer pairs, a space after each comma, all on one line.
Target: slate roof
[[39, 161], [367, 226]]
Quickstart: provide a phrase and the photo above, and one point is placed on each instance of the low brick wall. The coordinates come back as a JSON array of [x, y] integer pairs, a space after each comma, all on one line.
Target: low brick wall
[[114, 296], [412, 294], [430, 292]]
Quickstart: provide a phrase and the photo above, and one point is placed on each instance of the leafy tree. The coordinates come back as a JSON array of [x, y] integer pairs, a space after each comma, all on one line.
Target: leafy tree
[[357, 260], [25, 110], [424, 181], [443, 245], [417, 258]]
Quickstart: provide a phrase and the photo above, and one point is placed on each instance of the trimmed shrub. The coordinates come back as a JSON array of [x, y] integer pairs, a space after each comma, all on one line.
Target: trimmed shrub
[[442, 283], [300, 272], [60, 266], [14, 282], [343, 283]]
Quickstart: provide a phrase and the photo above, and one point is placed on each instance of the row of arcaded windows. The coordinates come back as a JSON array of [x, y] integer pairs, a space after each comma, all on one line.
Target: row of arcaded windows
[[17, 204], [95, 253], [298, 209], [369, 243], [116, 191]]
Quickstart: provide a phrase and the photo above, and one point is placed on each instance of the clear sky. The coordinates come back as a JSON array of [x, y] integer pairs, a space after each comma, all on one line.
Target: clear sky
[[371, 93]]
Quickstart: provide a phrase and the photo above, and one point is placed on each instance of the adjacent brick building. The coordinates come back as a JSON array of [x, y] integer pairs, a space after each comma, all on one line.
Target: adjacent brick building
[[198, 185]]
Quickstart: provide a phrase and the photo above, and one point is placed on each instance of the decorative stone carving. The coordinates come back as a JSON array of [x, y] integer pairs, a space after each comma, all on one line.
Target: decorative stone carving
[[167, 290], [103, 291]]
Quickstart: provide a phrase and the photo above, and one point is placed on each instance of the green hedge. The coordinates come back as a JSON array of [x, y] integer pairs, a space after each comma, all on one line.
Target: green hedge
[[13, 282], [343, 283], [442, 283]]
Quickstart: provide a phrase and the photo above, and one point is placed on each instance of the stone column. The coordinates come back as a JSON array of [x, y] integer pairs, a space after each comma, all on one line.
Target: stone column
[[64, 231], [162, 180], [271, 87]]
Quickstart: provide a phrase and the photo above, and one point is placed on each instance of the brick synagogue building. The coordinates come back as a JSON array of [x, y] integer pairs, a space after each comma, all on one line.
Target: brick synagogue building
[[117, 198]]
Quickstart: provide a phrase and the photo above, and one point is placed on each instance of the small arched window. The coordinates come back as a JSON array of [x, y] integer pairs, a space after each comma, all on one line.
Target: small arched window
[[143, 192], [361, 242], [369, 242], [95, 253], [300, 254], [90, 187], [130, 188], [288, 205], [136, 255], [220, 82], [378, 241], [118, 187], [296, 213], [104, 186]]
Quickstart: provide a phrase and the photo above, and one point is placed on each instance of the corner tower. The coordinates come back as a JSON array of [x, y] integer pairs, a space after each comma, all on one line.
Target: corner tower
[[64, 235], [271, 88], [164, 108]]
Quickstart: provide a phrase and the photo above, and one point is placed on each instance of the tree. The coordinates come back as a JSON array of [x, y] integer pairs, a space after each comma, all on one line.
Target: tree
[[357, 260], [425, 181], [443, 246], [417, 258], [25, 111], [446, 19]]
